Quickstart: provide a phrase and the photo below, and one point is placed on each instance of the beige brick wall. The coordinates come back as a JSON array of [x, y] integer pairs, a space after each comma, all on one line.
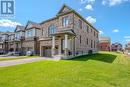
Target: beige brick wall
[[84, 36], [28, 44]]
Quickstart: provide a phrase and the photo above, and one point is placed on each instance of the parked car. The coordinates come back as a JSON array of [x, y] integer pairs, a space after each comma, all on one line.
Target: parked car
[[29, 53]]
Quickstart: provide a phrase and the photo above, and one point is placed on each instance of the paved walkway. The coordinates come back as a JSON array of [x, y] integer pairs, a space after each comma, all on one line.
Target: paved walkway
[[19, 61]]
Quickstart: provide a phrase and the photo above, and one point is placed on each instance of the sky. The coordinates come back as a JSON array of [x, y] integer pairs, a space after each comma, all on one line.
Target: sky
[[110, 17]]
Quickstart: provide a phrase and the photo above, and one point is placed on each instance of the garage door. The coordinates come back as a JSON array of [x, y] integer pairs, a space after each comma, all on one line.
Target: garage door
[[47, 51]]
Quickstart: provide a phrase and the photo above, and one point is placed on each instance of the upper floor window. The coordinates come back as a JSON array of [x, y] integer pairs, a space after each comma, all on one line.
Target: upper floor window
[[18, 35], [11, 37], [80, 39], [97, 35], [65, 21], [30, 33], [51, 29], [91, 30], [4, 37], [87, 28], [94, 33], [79, 24]]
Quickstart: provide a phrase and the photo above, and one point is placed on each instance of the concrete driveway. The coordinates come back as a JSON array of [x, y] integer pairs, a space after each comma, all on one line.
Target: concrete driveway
[[19, 61]]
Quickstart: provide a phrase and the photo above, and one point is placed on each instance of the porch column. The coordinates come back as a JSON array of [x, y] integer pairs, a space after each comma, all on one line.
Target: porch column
[[41, 51], [59, 48], [14, 47], [53, 46], [73, 46], [66, 45]]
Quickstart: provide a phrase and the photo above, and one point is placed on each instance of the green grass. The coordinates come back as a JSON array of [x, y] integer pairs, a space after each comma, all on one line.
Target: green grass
[[19, 57], [100, 70]]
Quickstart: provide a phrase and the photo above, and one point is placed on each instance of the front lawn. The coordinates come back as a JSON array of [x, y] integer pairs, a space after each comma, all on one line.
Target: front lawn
[[100, 70]]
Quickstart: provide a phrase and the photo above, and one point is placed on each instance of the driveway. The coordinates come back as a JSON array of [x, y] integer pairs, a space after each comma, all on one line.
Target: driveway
[[19, 61]]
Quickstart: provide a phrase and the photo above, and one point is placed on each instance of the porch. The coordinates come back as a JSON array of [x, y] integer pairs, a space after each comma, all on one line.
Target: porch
[[62, 45]]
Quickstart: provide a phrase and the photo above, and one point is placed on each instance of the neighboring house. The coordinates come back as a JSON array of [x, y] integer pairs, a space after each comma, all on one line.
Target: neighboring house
[[104, 44], [67, 35], [19, 38], [1, 44], [64, 36], [116, 47], [10, 41], [31, 41], [27, 38], [6, 42], [127, 49]]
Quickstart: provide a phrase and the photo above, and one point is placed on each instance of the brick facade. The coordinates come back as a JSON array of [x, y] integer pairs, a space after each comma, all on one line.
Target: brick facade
[[77, 37]]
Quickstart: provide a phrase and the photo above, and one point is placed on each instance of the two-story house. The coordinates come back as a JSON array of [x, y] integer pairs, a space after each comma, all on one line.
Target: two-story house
[[104, 44], [67, 35], [10, 41], [116, 47], [19, 38], [6, 42]]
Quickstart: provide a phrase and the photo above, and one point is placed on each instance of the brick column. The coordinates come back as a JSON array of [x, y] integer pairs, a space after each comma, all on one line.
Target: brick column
[[41, 51], [53, 46], [66, 45], [59, 47]]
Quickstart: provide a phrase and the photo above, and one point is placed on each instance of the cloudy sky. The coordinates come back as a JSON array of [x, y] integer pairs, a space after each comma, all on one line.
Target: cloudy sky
[[110, 17]]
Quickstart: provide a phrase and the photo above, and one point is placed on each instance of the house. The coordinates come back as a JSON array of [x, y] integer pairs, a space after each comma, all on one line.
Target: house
[[116, 47], [104, 44], [27, 38], [67, 35], [127, 48], [6, 42], [1, 44], [19, 37]]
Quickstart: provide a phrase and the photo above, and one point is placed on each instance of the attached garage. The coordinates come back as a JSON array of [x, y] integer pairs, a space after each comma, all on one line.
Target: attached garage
[[47, 51]]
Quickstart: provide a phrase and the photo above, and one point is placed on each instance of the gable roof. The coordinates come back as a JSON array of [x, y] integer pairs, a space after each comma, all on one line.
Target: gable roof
[[8, 33], [64, 8], [31, 24], [19, 28], [66, 12]]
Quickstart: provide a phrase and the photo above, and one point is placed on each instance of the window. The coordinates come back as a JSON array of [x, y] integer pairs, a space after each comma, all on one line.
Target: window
[[29, 33], [94, 44], [88, 29], [80, 39], [87, 41], [65, 21], [97, 35], [79, 24], [85, 27], [91, 30], [91, 43], [18, 35], [94, 33], [51, 29]]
